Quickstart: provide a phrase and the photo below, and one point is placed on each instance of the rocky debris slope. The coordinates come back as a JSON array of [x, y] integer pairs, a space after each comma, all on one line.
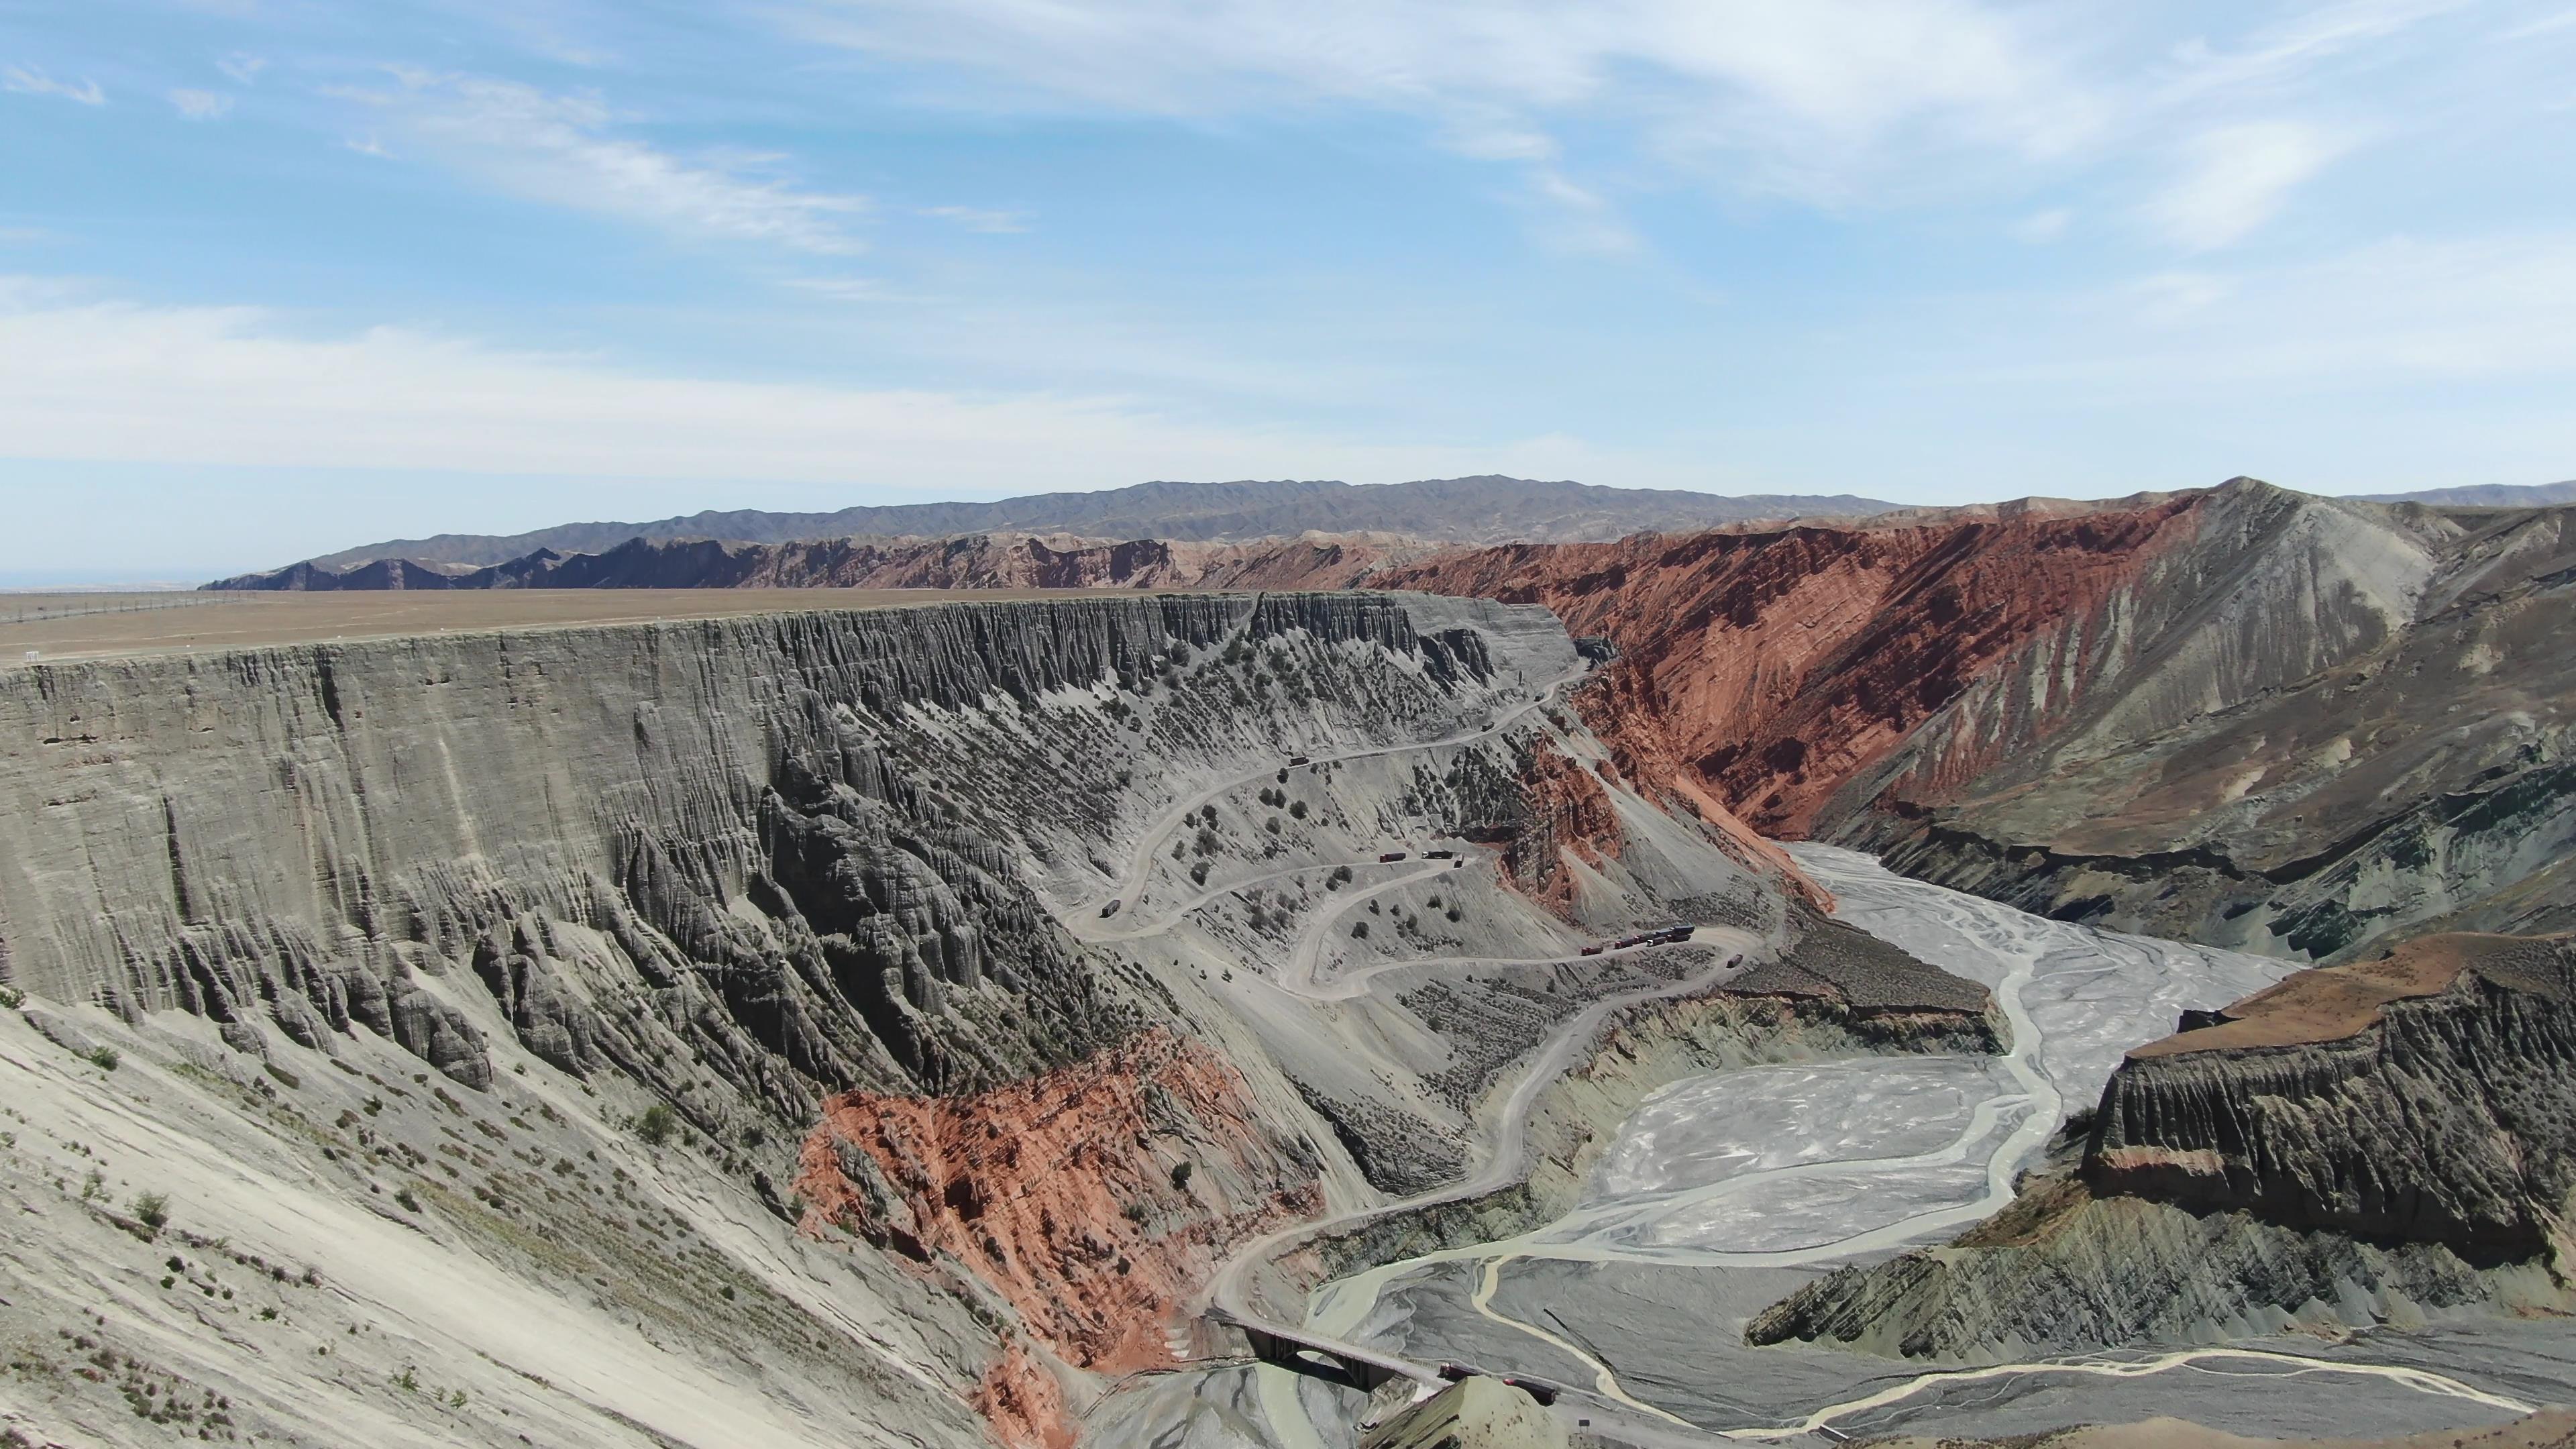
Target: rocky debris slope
[[2242, 716], [2361, 1143], [1480, 1413], [1093, 1199]]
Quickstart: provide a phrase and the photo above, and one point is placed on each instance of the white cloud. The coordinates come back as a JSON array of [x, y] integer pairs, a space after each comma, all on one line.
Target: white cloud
[[368, 146], [83, 380], [201, 105], [1802, 96], [242, 67], [2233, 179], [28, 81], [563, 150]]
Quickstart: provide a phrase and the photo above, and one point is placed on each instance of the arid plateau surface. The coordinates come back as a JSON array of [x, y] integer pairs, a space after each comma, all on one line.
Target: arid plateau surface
[[1959, 975]]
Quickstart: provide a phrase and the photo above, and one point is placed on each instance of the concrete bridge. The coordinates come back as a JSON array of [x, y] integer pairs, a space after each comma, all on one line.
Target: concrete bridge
[[1328, 1359]]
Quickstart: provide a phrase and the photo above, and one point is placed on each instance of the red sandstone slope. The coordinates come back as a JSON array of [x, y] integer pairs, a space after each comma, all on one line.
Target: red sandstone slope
[[1769, 669], [1094, 1200]]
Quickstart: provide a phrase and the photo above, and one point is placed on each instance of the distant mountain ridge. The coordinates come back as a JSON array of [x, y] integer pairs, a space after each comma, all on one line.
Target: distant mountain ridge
[[970, 561], [2484, 495], [1487, 509]]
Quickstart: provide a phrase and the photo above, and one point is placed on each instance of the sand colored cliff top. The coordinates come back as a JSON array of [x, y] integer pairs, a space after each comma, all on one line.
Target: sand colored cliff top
[[2331, 1003], [73, 626]]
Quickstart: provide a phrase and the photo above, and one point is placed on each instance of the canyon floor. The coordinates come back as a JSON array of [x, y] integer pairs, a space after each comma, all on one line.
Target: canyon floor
[[1723, 1191]]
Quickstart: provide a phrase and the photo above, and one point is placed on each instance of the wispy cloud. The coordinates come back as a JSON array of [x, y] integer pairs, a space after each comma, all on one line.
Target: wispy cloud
[[1805, 95], [2041, 227], [2232, 179], [849, 289], [242, 67], [568, 150], [1840, 104], [976, 218], [28, 81], [201, 105], [84, 379]]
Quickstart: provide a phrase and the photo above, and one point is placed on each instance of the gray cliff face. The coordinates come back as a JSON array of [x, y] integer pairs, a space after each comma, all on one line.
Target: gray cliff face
[[2451, 1119], [2356, 1145], [2062, 1272], [774, 855], [496, 1015]]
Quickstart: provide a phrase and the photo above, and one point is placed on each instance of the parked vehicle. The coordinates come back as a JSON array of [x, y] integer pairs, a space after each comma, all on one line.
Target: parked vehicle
[[1591, 950], [1390, 857], [1298, 759], [1110, 909], [1439, 855], [1539, 1389]]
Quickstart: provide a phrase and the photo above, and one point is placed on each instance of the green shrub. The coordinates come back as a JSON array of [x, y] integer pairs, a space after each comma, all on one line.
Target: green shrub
[[104, 1058], [409, 1203], [657, 1124], [11, 998], [152, 1210]]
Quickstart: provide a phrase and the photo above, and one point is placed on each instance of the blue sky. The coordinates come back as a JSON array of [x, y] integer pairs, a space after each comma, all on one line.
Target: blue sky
[[278, 276]]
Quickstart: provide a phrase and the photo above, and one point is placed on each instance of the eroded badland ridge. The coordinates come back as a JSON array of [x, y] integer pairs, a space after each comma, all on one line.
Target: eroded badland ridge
[[988, 1021], [812, 1026]]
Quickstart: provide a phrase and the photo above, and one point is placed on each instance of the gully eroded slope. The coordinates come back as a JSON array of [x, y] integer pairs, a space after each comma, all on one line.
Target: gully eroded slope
[[2242, 716]]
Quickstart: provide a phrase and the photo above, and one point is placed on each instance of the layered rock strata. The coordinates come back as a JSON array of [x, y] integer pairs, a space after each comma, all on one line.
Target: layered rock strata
[[2243, 716]]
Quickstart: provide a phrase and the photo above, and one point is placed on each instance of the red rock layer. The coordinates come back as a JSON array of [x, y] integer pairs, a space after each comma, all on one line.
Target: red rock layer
[[1567, 813], [1023, 1403], [1095, 1200], [1764, 670]]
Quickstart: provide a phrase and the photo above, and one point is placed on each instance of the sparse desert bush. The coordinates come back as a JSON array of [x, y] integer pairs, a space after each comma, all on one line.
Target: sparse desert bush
[[1297, 809], [1360, 931], [11, 998], [104, 1058], [152, 1210]]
